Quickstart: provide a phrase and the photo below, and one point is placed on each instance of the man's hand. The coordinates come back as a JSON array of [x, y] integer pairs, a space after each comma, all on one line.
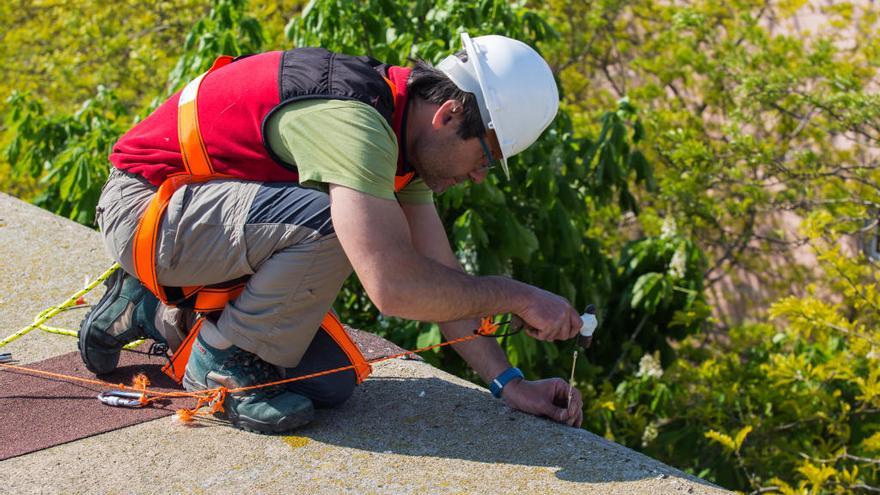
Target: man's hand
[[545, 398], [549, 317]]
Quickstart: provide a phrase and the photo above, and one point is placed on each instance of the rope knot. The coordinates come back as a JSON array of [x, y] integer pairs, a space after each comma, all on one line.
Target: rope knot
[[487, 326], [140, 382], [213, 398], [217, 400]]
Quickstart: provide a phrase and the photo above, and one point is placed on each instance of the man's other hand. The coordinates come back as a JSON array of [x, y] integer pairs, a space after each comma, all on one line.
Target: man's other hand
[[547, 398]]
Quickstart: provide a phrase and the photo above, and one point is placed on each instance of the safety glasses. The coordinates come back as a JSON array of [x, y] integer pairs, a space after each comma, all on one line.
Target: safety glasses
[[493, 155]]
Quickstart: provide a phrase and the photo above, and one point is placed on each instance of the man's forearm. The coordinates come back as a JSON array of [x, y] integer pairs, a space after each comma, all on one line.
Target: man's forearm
[[484, 354], [411, 274], [427, 290]]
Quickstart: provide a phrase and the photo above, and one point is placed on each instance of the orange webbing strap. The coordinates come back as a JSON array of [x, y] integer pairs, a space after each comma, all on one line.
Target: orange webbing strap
[[147, 233], [391, 85], [192, 147], [198, 169], [400, 181], [177, 363], [215, 298], [333, 327]]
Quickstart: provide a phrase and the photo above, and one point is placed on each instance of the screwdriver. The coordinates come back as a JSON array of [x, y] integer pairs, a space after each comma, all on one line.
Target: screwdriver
[[584, 339]]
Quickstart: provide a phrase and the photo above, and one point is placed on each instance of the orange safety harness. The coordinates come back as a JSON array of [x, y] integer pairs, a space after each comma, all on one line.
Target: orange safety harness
[[203, 299]]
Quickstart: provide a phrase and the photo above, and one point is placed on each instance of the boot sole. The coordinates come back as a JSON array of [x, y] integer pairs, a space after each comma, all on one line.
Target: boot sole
[[286, 424], [112, 292]]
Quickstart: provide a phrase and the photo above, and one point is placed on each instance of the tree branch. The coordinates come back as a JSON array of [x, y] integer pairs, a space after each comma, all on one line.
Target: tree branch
[[632, 339]]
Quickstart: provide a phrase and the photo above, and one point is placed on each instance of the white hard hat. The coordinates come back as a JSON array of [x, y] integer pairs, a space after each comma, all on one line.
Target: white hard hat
[[513, 85]]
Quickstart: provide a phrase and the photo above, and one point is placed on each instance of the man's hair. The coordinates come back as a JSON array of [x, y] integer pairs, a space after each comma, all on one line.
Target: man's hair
[[433, 86]]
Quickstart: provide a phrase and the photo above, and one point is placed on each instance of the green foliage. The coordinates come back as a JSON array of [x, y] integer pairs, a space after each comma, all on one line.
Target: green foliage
[[63, 55], [226, 30], [61, 51], [745, 117], [793, 405], [748, 124], [395, 31], [656, 299], [67, 152], [688, 132]]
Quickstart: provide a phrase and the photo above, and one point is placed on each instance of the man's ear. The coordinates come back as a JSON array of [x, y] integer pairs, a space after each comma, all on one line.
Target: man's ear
[[447, 113]]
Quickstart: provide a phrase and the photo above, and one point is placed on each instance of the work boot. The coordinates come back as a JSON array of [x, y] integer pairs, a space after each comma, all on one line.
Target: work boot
[[262, 410], [123, 315]]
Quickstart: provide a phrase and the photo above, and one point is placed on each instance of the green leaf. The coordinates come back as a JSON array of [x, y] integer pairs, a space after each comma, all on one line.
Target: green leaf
[[430, 337], [646, 291]]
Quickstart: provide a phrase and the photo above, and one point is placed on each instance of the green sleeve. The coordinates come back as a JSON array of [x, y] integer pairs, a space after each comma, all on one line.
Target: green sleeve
[[416, 192], [340, 142]]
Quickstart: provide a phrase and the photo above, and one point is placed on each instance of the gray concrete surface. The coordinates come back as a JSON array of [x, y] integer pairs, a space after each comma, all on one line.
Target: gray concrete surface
[[410, 428]]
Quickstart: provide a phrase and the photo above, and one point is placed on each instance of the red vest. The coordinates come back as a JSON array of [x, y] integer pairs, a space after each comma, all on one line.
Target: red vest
[[235, 103]]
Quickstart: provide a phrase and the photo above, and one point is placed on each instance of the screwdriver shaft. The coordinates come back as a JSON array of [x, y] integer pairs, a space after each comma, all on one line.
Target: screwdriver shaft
[[571, 379]]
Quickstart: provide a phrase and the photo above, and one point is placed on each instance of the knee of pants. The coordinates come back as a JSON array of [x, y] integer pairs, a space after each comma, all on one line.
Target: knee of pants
[[337, 392], [327, 391]]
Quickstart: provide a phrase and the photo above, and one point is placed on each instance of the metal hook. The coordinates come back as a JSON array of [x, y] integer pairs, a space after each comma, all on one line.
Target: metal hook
[[120, 398]]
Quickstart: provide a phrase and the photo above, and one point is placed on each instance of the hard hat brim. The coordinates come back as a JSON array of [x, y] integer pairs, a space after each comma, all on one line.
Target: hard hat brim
[[475, 58]]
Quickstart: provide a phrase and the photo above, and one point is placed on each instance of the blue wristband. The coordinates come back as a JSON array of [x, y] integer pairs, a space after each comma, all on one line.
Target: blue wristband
[[501, 380]]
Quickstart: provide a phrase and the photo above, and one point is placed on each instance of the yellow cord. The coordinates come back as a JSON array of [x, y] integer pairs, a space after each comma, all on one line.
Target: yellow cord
[[50, 312]]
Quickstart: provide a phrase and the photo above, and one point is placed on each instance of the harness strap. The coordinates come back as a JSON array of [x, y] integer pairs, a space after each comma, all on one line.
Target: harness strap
[[400, 181], [198, 169], [176, 366], [215, 298], [399, 120], [192, 147], [333, 327], [147, 233]]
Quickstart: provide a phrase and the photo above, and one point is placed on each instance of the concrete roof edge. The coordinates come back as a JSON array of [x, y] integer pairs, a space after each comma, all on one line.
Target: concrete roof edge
[[409, 428]]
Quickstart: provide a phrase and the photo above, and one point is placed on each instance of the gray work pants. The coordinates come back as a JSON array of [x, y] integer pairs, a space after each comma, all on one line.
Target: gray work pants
[[279, 234]]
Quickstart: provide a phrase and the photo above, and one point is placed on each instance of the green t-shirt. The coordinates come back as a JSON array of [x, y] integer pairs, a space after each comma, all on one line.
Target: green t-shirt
[[342, 142]]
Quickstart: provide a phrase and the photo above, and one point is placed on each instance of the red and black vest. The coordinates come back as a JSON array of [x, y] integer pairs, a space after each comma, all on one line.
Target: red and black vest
[[235, 102]]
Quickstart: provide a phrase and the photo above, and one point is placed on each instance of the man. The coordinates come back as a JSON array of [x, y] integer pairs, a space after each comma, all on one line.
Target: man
[[293, 168]]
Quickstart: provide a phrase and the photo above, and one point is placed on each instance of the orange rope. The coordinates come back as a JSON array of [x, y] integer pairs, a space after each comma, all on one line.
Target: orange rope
[[215, 397]]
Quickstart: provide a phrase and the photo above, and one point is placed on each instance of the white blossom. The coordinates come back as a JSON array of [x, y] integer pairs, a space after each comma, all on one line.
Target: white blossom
[[649, 434], [669, 228], [649, 366], [678, 265]]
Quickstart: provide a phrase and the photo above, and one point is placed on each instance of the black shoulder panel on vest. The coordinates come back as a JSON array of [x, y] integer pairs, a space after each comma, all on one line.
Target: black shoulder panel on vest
[[319, 73]]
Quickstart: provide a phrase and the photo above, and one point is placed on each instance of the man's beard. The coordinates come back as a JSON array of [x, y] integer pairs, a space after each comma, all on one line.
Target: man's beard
[[432, 167], [436, 182]]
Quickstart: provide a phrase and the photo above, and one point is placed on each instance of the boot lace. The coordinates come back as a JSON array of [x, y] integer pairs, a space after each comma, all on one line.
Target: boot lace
[[253, 370]]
